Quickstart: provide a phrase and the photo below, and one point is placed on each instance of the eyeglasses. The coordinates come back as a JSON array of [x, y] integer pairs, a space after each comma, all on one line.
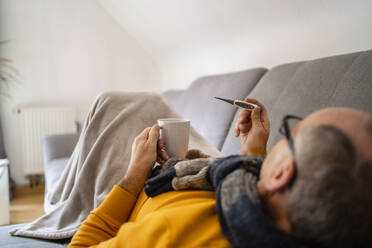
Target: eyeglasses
[[285, 129]]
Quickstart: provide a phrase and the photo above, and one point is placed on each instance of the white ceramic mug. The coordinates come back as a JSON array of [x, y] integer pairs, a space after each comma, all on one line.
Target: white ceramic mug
[[175, 133]]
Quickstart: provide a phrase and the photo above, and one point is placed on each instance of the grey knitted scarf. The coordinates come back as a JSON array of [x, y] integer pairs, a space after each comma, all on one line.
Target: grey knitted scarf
[[239, 207]]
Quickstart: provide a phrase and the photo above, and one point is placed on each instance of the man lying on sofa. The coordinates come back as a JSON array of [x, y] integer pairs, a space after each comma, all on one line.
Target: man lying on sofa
[[312, 190]]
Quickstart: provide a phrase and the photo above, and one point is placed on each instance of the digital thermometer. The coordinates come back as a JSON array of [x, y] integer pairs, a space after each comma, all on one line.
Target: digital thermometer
[[239, 103]]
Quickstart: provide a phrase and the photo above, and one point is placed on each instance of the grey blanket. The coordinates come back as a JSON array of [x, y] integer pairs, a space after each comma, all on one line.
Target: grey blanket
[[100, 160]]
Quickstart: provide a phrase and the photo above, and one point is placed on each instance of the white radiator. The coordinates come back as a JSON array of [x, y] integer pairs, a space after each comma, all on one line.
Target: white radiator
[[36, 123]]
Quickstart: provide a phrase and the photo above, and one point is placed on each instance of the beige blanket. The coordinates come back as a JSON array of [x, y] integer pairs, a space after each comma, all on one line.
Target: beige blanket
[[100, 160]]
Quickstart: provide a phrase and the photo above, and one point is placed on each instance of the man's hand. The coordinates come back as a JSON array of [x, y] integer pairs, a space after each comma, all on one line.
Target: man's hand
[[144, 155], [254, 128]]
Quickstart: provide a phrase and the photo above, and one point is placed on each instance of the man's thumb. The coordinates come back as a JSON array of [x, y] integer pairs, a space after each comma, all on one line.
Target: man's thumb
[[256, 117]]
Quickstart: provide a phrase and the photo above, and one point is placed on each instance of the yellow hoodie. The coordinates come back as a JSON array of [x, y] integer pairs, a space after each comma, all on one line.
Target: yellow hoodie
[[173, 219]]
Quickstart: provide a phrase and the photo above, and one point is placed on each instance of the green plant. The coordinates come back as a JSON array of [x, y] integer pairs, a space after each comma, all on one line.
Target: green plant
[[8, 73]]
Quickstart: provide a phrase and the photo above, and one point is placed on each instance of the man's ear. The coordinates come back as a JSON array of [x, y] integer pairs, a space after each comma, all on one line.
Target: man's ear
[[281, 177]]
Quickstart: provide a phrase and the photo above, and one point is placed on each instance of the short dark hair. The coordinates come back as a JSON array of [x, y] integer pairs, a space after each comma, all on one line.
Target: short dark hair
[[330, 200]]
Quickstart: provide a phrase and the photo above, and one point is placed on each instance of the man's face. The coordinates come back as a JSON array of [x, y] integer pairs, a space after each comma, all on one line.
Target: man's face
[[352, 122]]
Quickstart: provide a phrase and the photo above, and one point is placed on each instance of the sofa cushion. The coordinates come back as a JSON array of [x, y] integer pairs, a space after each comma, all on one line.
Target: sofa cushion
[[210, 117], [8, 241], [303, 87]]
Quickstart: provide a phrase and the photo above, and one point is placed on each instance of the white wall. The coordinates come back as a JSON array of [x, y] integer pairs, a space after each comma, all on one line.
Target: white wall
[[196, 37], [67, 52]]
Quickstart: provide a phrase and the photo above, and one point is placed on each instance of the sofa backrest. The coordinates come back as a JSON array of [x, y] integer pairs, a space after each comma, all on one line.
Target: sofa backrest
[[303, 87], [210, 117]]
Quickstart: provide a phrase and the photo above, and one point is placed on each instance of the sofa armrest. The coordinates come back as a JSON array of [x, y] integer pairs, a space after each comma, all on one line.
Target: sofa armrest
[[59, 146]]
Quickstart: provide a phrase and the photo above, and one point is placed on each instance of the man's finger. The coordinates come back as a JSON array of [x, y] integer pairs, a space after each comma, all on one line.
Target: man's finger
[[236, 130], [244, 128], [161, 150], [144, 134], [256, 118], [244, 115], [255, 101], [161, 143], [265, 119], [154, 134], [164, 154], [265, 122], [244, 118]]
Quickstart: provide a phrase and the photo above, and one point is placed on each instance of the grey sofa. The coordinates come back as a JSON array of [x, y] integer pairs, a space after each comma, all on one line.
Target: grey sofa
[[57, 150], [297, 88]]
